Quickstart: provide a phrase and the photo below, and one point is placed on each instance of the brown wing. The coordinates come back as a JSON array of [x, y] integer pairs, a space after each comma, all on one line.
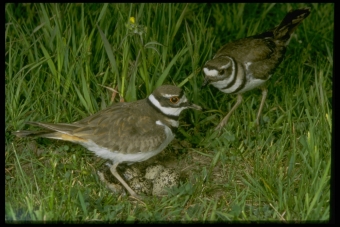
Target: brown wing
[[248, 49], [122, 127]]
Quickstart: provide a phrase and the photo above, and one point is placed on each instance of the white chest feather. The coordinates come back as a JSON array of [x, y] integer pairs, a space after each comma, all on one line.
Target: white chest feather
[[239, 81], [251, 84]]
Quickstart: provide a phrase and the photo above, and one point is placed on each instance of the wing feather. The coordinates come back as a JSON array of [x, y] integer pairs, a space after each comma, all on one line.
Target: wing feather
[[129, 129], [123, 127]]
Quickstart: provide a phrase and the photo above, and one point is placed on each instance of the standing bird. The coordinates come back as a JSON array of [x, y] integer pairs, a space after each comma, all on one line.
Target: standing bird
[[124, 132], [247, 63]]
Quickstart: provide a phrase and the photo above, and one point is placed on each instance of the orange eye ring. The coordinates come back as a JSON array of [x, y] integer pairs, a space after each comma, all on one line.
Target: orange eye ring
[[174, 99]]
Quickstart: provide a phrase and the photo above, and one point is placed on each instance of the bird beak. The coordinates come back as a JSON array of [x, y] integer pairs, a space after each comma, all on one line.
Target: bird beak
[[194, 106]]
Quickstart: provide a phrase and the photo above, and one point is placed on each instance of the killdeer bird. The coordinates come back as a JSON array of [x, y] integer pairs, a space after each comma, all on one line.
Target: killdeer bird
[[247, 63], [124, 132]]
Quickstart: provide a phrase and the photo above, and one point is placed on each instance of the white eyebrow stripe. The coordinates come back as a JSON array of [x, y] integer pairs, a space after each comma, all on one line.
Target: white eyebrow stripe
[[183, 99], [227, 65], [168, 95]]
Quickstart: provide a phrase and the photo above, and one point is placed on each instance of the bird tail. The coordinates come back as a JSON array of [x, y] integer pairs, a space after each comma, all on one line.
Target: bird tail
[[26, 133], [289, 24], [53, 131]]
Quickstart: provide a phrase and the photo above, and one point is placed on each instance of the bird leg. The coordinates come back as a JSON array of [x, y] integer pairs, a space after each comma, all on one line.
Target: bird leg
[[226, 118], [116, 188], [115, 173], [264, 96]]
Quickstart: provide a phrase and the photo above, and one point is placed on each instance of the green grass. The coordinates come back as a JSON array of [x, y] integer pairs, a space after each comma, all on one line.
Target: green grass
[[58, 55]]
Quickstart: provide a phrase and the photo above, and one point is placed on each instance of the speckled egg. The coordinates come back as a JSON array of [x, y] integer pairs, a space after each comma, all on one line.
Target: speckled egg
[[130, 173], [167, 178], [141, 185], [153, 171]]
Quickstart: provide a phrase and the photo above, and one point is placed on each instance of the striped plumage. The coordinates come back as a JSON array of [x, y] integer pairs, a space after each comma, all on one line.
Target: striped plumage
[[247, 63], [124, 132]]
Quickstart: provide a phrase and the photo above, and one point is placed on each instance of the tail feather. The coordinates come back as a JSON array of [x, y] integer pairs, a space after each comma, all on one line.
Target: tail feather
[[289, 24], [52, 131], [25, 133], [45, 134], [60, 127]]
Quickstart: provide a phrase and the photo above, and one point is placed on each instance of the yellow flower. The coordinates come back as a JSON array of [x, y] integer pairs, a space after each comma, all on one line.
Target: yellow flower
[[132, 20]]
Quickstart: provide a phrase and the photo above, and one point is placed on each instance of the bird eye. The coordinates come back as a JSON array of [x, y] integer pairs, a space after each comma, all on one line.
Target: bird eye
[[174, 99], [221, 72]]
